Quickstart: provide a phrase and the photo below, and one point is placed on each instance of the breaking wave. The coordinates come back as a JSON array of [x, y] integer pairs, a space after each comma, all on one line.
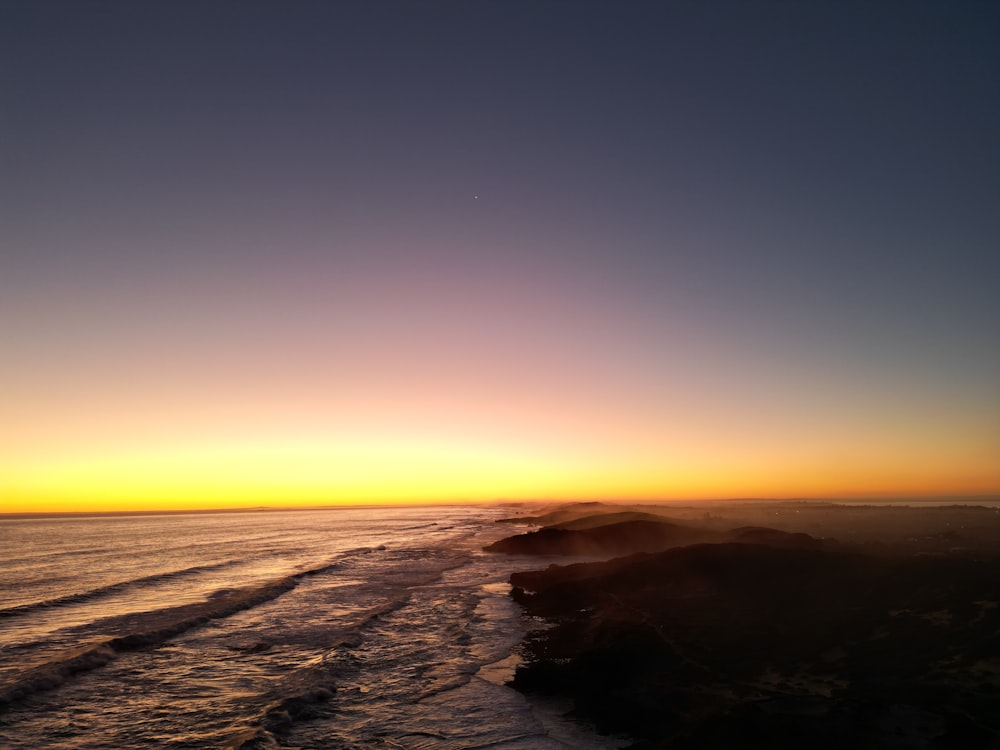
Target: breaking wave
[[312, 629], [113, 588], [151, 628]]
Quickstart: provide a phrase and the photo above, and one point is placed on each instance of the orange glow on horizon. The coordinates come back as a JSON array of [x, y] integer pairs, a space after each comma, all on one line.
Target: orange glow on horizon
[[481, 406], [321, 472]]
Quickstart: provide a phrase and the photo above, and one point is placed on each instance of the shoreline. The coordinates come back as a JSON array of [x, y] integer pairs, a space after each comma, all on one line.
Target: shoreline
[[773, 643]]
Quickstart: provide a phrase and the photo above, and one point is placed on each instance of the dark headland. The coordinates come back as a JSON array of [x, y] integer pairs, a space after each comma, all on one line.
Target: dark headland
[[752, 626]]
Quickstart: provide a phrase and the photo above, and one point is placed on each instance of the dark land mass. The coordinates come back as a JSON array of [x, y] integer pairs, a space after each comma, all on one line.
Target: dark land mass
[[588, 537], [606, 519], [878, 529], [768, 638], [613, 539], [572, 511]]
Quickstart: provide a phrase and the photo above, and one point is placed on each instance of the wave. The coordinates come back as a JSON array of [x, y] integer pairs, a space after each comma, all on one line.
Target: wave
[[153, 629], [301, 693], [112, 588], [89, 555]]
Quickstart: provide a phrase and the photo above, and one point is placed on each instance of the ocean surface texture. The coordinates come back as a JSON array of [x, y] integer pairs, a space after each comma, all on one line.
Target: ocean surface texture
[[327, 629]]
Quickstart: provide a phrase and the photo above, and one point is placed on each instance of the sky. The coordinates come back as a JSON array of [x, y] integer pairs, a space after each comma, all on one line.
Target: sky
[[289, 253]]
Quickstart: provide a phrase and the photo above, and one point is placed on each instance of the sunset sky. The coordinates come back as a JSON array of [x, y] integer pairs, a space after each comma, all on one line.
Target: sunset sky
[[265, 253]]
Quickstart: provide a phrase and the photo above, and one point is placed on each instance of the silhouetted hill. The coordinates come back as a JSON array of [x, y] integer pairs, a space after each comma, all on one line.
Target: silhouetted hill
[[624, 533], [774, 538], [886, 529], [565, 513], [606, 519], [612, 539], [745, 645]]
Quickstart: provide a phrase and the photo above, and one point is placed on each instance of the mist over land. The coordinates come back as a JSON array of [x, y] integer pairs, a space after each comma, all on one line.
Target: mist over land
[[767, 625]]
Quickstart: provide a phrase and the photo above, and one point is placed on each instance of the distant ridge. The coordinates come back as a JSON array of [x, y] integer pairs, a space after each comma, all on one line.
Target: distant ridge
[[606, 535]]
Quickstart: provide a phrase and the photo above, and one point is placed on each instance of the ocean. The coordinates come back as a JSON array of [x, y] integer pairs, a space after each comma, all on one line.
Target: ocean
[[345, 628]]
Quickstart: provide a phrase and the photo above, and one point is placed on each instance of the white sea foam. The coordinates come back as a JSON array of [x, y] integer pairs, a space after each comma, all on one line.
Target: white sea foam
[[352, 628]]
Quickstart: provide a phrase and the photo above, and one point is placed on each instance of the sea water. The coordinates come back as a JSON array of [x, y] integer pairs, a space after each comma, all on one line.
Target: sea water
[[345, 628]]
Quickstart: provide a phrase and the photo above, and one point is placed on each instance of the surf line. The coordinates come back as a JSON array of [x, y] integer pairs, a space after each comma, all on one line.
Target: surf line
[[113, 588], [171, 622]]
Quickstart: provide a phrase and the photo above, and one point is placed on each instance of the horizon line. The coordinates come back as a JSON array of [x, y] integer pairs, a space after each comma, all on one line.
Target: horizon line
[[844, 499]]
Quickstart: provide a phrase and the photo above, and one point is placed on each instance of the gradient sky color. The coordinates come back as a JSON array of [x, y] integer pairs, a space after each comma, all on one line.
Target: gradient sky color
[[320, 252]]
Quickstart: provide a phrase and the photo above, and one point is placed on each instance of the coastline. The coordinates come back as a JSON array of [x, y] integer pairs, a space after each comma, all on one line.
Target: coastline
[[297, 630], [890, 640]]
